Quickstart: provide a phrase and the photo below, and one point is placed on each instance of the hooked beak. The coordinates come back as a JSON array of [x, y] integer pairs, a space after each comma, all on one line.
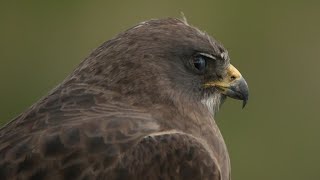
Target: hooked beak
[[232, 85]]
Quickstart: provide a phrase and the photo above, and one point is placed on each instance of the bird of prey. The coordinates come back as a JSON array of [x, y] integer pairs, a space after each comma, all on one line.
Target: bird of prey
[[140, 106]]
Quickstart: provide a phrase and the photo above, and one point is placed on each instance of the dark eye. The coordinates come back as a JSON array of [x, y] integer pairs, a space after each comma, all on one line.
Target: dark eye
[[200, 63]]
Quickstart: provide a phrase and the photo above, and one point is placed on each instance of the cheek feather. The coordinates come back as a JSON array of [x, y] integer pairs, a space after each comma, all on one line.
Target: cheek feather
[[212, 102]]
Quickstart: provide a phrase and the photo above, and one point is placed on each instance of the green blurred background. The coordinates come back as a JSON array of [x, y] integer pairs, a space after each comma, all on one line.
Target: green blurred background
[[275, 44]]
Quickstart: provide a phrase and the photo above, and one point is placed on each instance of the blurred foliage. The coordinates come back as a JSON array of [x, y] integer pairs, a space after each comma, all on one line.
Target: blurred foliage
[[275, 44]]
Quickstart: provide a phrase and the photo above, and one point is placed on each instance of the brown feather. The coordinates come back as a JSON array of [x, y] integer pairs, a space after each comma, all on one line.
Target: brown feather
[[131, 110]]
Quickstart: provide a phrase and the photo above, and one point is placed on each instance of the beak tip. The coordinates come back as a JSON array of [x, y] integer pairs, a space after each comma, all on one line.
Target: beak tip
[[244, 103]]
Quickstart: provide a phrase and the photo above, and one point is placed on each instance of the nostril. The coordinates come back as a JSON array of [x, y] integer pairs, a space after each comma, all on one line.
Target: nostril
[[232, 78]]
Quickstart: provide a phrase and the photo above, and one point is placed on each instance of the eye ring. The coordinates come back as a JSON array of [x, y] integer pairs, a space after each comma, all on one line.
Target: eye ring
[[199, 63]]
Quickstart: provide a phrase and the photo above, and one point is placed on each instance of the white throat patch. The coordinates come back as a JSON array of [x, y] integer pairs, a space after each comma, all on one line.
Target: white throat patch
[[212, 102]]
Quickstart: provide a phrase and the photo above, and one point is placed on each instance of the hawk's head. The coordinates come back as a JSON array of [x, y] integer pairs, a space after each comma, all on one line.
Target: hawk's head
[[161, 60]]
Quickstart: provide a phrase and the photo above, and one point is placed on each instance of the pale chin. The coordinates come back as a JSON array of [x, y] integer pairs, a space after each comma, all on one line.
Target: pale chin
[[212, 102]]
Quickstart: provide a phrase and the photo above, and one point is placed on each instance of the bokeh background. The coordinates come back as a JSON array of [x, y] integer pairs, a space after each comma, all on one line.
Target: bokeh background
[[275, 44]]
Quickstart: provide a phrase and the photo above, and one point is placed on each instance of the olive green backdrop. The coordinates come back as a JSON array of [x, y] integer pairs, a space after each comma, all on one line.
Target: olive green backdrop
[[275, 44]]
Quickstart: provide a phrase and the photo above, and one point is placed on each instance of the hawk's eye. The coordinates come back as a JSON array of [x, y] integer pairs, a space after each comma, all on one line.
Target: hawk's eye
[[200, 63]]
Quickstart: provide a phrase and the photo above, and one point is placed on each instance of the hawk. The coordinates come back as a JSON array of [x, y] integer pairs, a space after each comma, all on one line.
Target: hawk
[[140, 106]]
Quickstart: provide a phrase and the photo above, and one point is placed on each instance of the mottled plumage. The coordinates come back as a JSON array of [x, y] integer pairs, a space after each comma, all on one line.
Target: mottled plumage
[[139, 107]]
